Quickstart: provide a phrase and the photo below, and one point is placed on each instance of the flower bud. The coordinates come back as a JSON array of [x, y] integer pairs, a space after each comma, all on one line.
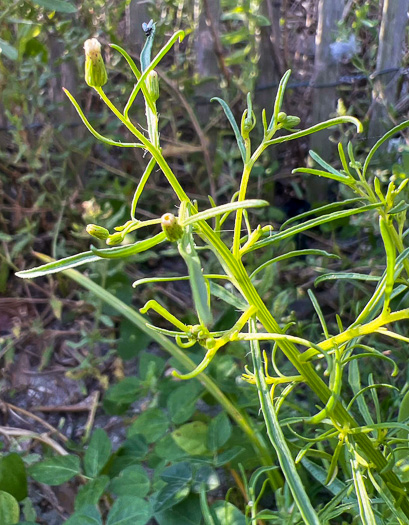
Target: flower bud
[[171, 227], [95, 72], [152, 82], [97, 231], [115, 238], [291, 121], [281, 116]]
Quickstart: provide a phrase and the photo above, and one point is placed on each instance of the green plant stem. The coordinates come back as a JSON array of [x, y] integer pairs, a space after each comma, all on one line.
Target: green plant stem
[[277, 437], [339, 414], [154, 151], [235, 269], [138, 320]]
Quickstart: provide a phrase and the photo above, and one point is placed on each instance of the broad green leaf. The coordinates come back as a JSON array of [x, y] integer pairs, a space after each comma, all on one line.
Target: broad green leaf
[[131, 453], [132, 481], [9, 509], [60, 6], [170, 495], [129, 510], [13, 477], [233, 123], [181, 402], [228, 455], [185, 513], [88, 515], [152, 424], [228, 514], [192, 438], [91, 492], [219, 432], [119, 397], [205, 477], [131, 341], [55, 471], [166, 448], [178, 473], [8, 50], [97, 453]]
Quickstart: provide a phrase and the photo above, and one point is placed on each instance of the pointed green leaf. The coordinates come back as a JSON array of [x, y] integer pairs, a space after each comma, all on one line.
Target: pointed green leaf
[[129, 510], [57, 470], [233, 123], [59, 266], [224, 208], [97, 453], [118, 252], [60, 6]]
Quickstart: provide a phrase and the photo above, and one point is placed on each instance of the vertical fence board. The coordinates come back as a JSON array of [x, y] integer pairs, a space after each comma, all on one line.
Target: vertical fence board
[[324, 99], [391, 38]]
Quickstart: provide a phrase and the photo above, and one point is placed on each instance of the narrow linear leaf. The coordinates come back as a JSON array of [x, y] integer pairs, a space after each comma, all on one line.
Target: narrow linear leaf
[[312, 223], [59, 266], [8, 50], [319, 160], [295, 253], [130, 249], [224, 208], [340, 178], [351, 276], [233, 123], [383, 139], [60, 6], [317, 211], [277, 438], [318, 127]]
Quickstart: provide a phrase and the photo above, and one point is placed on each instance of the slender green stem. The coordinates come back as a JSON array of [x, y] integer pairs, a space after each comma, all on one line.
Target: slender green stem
[[277, 438], [154, 151]]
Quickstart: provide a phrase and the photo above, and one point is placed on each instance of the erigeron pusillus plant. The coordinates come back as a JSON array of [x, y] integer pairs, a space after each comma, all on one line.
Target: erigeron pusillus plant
[[370, 464]]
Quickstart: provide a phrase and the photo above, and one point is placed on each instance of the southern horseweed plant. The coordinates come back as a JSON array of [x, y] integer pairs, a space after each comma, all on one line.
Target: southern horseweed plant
[[368, 450]]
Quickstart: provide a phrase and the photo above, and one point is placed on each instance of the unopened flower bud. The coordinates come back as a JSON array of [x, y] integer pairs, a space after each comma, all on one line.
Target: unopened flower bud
[[291, 121], [281, 116], [97, 231], [152, 82], [95, 72], [115, 238], [171, 227]]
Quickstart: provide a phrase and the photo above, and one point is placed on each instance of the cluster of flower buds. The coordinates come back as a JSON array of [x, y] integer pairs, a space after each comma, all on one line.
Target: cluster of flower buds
[[287, 121]]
